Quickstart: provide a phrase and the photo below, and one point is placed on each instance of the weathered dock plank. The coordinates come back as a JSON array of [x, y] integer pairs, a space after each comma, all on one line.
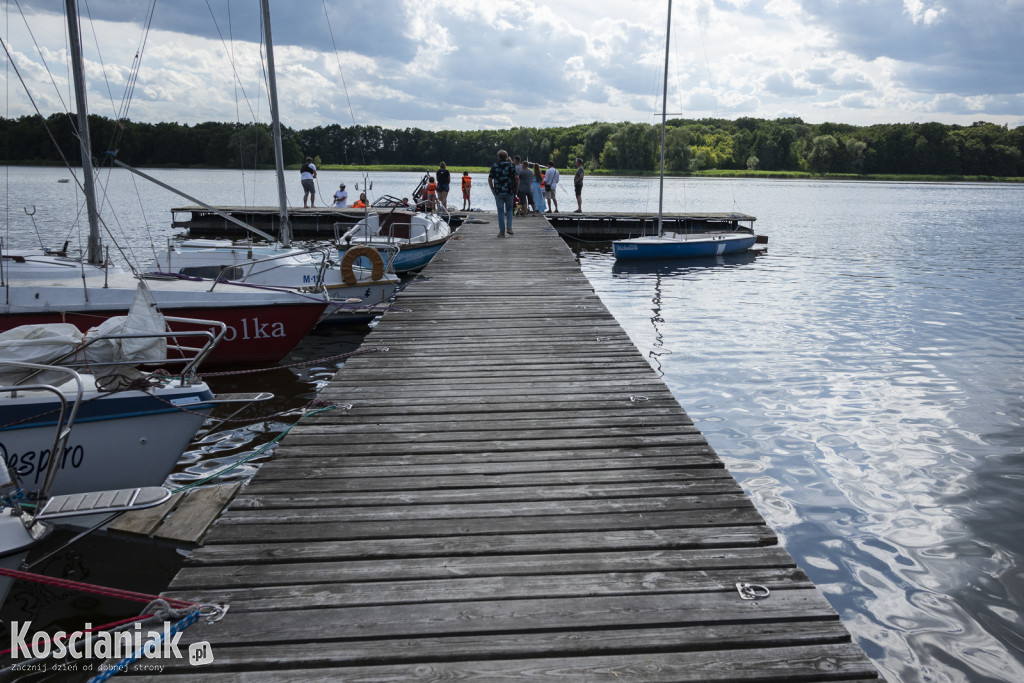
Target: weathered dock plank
[[183, 519], [508, 492]]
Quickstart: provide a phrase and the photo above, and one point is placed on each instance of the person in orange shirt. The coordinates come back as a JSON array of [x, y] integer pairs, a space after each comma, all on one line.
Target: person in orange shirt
[[467, 184], [431, 193], [361, 203]]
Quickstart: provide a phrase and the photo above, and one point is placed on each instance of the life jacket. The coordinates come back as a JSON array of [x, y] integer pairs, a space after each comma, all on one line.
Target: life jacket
[[431, 189], [467, 181]]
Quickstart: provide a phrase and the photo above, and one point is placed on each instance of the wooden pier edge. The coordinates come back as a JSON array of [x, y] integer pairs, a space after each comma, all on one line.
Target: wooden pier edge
[[512, 494], [183, 519]]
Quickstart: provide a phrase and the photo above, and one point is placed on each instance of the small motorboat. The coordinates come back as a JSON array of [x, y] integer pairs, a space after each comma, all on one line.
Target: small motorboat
[[407, 240]]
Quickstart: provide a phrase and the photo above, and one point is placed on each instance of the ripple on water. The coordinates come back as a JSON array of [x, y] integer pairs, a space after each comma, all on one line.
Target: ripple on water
[[863, 381]]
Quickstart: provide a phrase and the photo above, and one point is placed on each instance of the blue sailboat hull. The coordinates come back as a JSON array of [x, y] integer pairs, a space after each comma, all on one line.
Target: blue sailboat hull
[[674, 246], [414, 257]]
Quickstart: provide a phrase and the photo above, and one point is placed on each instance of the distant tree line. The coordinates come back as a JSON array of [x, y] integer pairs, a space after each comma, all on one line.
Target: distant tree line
[[691, 145]]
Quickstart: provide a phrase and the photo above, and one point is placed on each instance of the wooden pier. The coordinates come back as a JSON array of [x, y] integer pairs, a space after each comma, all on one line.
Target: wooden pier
[[327, 223], [508, 492], [319, 223], [183, 520]]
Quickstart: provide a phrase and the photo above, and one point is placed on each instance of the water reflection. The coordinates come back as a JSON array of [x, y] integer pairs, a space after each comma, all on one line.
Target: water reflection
[[863, 382], [232, 447], [862, 379], [652, 273]]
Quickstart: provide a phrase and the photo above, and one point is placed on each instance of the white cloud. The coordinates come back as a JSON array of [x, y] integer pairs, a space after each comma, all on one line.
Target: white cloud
[[921, 14], [499, 63]]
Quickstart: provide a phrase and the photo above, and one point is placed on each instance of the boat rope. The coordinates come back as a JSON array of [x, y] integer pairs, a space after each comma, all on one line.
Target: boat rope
[[580, 239], [35, 227], [151, 646], [141, 384], [114, 383], [104, 591], [259, 451], [298, 364], [157, 611]]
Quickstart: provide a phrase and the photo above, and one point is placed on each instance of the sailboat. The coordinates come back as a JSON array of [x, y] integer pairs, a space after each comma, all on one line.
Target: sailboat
[[668, 244], [131, 425], [264, 323], [352, 289], [30, 508]]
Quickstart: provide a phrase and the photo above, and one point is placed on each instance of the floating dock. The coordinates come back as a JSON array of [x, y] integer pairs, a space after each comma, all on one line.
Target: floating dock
[[508, 492], [319, 224], [322, 223]]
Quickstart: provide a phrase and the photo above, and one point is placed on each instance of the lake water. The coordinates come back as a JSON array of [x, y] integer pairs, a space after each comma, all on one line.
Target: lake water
[[863, 378]]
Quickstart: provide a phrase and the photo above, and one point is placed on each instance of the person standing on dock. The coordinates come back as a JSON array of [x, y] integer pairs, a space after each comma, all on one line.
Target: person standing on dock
[[444, 184], [550, 185], [525, 188], [431, 195], [538, 189], [467, 186], [504, 183], [577, 184], [341, 197], [307, 175]]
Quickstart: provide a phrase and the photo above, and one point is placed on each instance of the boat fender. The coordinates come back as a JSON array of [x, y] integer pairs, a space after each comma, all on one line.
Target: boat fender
[[348, 276]]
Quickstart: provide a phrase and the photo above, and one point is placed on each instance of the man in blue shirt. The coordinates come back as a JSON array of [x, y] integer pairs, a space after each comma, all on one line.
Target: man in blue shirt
[[504, 183]]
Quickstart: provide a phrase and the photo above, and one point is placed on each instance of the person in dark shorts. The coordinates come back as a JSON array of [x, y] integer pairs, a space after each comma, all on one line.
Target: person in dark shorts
[[444, 184], [307, 174]]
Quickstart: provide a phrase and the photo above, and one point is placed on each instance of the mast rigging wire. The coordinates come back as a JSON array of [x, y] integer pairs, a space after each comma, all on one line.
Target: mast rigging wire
[[359, 139]]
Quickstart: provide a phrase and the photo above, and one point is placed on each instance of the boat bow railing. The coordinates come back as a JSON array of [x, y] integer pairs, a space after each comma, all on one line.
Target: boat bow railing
[[65, 414]]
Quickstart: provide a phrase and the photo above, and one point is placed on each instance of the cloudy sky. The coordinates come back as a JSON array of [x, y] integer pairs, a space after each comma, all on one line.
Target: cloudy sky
[[475, 64]]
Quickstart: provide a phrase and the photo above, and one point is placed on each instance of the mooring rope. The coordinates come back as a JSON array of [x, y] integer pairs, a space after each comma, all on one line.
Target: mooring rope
[[92, 588], [152, 646], [259, 451]]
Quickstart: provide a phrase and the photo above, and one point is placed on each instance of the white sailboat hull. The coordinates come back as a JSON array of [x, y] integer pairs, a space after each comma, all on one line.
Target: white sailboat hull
[[277, 266], [120, 440]]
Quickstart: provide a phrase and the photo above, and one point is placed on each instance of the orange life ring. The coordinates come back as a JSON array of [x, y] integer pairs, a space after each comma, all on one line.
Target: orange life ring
[[352, 254]]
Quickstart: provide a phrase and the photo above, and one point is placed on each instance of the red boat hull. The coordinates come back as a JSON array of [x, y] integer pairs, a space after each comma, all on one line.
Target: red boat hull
[[255, 335]]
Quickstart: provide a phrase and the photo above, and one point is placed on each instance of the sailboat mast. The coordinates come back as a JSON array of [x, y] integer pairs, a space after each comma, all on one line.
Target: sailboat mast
[[664, 115], [94, 253], [282, 193]]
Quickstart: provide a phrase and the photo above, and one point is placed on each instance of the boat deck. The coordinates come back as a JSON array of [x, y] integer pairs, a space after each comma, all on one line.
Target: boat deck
[[508, 492]]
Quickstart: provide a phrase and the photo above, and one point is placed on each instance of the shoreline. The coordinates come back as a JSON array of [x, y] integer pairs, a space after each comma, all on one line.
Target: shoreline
[[716, 173]]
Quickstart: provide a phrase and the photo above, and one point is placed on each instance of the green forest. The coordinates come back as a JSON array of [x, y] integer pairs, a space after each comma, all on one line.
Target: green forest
[[692, 146]]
